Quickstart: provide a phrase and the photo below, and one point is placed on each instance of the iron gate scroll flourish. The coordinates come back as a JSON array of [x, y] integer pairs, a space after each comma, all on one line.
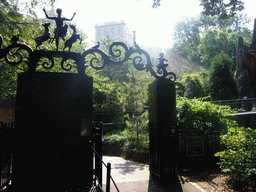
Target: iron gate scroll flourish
[[16, 53]]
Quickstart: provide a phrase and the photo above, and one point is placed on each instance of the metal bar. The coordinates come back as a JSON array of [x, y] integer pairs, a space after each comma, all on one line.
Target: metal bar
[[114, 183], [98, 156], [98, 149], [108, 177], [97, 141], [96, 178], [100, 188]]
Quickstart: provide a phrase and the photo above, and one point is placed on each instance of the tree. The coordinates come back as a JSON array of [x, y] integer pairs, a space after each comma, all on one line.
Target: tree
[[215, 41], [216, 7], [133, 98], [12, 12], [187, 39], [200, 38], [221, 9], [222, 85]]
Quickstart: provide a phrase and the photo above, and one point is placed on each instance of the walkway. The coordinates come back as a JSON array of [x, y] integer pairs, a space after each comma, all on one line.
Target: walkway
[[131, 176]]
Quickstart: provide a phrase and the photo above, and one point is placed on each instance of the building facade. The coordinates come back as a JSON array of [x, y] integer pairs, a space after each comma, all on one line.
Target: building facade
[[116, 30]]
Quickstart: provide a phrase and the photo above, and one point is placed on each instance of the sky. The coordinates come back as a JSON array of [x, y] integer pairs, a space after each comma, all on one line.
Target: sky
[[154, 27]]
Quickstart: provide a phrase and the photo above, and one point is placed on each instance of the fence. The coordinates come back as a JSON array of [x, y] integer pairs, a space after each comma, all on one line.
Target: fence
[[241, 105], [197, 148], [96, 146], [6, 135]]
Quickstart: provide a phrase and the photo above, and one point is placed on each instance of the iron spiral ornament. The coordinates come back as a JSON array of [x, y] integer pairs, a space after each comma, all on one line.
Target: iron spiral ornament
[[119, 53]]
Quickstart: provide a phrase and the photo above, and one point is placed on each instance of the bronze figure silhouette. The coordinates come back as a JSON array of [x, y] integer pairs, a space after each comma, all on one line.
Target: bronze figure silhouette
[[60, 30]]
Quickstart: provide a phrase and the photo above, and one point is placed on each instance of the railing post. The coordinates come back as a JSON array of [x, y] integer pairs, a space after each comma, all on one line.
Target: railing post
[[108, 177], [98, 149]]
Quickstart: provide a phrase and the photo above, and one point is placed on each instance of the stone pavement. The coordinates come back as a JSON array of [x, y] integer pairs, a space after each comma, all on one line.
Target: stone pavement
[[131, 176]]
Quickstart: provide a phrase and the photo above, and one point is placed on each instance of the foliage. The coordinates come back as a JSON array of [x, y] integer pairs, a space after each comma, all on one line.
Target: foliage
[[156, 3], [197, 115], [239, 157], [213, 42], [117, 138], [200, 38], [199, 80], [29, 7], [222, 84], [9, 15], [187, 39], [122, 138], [133, 97], [194, 115], [13, 12], [105, 101], [220, 8]]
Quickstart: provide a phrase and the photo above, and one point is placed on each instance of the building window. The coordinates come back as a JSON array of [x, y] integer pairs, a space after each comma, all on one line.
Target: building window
[[119, 29], [99, 31], [112, 30], [106, 30]]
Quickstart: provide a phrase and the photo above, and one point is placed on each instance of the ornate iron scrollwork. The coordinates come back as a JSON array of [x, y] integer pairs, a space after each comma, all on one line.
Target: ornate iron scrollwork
[[15, 53], [118, 54]]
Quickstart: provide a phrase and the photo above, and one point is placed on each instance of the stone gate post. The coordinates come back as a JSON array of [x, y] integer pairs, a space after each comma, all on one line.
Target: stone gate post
[[163, 130]]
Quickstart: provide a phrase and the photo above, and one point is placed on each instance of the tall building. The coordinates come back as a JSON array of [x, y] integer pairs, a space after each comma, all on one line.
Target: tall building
[[116, 30]]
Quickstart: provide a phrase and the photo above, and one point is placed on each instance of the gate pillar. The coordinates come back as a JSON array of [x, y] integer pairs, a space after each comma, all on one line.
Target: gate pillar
[[163, 133], [53, 120]]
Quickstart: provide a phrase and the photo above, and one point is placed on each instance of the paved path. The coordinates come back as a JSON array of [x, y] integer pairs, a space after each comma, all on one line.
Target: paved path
[[131, 176]]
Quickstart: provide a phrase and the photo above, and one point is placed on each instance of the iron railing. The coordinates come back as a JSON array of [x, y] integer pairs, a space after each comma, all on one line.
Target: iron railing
[[6, 130], [241, 105], [96, 147]]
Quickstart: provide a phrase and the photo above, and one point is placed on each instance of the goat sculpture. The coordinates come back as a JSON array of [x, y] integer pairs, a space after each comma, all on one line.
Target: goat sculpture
[[75, 36], [46, 35]]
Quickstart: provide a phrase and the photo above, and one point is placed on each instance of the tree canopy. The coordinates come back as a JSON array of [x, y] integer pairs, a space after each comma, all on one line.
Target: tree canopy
[[200, 38], [218, 8]]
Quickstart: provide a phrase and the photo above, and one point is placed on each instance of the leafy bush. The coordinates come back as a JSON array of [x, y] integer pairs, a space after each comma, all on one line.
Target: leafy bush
[[239, 157], [200, 82], [116, 138], [126, 138], [197, 115], [192, 115]]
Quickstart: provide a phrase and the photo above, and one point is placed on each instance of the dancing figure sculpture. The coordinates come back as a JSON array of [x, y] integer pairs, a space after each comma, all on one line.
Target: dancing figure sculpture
[[60, 30]]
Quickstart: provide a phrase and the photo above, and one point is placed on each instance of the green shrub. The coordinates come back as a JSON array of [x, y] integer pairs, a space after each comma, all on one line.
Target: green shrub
[[192, 115], [239, 157], [197, 115], [126, 138], [116, 138]]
